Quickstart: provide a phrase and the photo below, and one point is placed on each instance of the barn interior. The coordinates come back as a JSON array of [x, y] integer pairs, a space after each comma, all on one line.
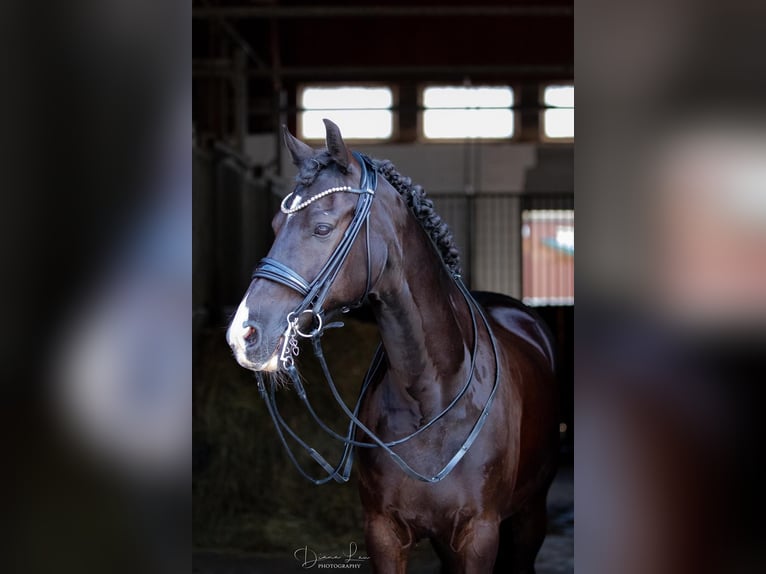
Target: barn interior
[[496, 158]]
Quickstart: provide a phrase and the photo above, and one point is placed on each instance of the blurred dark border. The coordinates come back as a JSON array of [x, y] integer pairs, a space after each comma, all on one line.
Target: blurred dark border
[[670, 357], [90, 159]]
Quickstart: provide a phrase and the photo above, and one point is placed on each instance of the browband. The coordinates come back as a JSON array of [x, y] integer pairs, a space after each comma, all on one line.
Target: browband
[[368, 182]]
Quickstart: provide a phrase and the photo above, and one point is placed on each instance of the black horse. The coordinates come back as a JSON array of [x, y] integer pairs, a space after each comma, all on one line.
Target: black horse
[[457, 423]]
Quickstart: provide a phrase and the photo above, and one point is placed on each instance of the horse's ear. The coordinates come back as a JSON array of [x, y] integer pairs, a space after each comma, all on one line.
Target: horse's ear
[[298, 150], [335, 144]]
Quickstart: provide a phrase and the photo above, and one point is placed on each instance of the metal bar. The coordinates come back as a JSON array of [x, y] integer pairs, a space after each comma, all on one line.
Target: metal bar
[[241, 112], [235, 36], [520, 251], [358, 11], [230, 153], [357, 72], [279, 99]]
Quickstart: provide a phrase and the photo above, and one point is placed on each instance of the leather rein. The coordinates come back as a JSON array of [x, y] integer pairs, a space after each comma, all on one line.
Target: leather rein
[[315, 294]]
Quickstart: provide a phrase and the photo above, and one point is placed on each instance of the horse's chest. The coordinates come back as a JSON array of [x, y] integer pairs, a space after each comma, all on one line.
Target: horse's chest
[[392, 488], [426, 510]]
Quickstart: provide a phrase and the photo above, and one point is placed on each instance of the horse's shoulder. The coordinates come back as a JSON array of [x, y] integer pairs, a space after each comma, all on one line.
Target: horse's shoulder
[[518, 319]]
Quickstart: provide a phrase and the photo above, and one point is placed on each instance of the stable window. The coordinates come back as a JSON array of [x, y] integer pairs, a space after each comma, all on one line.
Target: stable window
[[457, 112], [547, 248], [361, 112], [558, 117]]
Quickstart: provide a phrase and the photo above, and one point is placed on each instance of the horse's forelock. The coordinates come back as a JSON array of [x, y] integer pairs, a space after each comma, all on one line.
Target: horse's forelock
[[310, 168]]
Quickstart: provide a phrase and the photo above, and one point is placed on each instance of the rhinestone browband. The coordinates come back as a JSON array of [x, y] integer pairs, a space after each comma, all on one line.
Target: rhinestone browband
[[291, 210]]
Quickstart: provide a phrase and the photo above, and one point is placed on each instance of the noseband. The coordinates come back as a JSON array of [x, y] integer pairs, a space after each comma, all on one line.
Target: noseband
[[315, 293]]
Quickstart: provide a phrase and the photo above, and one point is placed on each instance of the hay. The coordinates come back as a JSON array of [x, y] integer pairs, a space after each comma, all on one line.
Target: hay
[[246, 494]]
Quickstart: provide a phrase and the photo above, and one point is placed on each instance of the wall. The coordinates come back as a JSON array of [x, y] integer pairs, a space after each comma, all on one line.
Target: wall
[[447, 167]]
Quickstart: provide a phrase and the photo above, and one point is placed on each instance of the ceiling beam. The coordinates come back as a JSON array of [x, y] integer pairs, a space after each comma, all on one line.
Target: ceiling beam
[[359, 11], [219, 68]]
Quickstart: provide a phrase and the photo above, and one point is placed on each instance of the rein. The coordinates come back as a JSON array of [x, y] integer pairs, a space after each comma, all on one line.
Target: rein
[[314, 294]]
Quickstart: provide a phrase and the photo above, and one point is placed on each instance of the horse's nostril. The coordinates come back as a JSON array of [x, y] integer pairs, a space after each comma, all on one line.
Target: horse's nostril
[[252, 333]]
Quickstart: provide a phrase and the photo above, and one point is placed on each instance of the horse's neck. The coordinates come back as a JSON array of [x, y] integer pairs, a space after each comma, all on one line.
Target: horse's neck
[[424, 324]]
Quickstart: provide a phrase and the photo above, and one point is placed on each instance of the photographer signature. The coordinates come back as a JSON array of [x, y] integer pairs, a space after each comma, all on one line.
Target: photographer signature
[[308, 558]]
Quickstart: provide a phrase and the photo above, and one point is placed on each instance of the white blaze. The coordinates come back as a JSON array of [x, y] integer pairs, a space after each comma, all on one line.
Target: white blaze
[[296, 201], [235, 336]]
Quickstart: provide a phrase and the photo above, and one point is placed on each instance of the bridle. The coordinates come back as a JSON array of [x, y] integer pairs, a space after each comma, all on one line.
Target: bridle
[[314, 295]]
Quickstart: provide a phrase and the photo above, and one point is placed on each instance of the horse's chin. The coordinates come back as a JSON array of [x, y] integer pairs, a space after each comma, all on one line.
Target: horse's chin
[[270, 366]]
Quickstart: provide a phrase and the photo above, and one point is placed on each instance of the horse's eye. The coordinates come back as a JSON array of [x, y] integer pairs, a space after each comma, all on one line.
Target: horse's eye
[[323, 230]]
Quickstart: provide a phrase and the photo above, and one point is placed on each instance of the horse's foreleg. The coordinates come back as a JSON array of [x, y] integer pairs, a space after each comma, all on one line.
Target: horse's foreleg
[[522, 536], [387, 545], [475, 546]]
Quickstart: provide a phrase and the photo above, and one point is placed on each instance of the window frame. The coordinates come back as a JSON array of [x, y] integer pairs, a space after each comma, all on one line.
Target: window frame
[[543, 136], [299, 109], [423, 138]]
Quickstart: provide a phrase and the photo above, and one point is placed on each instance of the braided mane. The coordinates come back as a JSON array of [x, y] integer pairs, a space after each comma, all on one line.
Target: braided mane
[[423, 209], [414, 195]]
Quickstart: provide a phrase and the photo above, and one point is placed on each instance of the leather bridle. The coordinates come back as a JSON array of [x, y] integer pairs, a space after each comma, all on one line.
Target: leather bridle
[[314, 296], [315, 293]]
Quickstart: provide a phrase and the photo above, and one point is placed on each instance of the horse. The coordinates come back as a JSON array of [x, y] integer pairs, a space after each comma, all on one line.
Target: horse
[[456, 427]]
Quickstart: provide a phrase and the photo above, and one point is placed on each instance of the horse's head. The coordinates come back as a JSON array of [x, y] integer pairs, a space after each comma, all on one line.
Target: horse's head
[[325, 255]]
